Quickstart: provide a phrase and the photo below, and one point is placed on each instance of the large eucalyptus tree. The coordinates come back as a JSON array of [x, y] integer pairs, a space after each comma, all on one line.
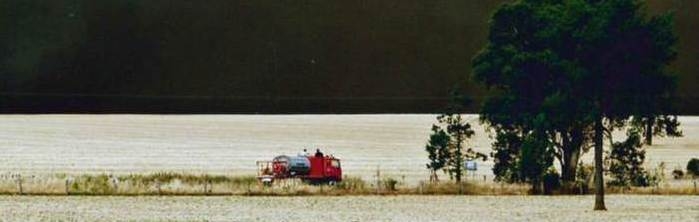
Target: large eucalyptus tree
[[573, 70]]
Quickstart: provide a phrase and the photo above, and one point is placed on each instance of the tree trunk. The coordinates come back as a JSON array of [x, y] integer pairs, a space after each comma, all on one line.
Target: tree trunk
[[572, 147], [433, 176], [536, 187], [599, 181], [570, 165], [459, 160], [649, 130]]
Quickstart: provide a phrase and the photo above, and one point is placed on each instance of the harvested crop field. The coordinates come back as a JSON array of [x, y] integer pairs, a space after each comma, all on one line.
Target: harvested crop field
[[357, 208], [230, 144], [36, 145]]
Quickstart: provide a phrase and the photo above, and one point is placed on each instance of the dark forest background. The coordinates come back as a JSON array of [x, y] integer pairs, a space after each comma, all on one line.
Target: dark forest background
[[262, 56]]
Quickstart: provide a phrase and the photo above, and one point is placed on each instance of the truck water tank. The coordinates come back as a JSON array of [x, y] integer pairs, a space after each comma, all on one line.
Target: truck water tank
[[295, 165]]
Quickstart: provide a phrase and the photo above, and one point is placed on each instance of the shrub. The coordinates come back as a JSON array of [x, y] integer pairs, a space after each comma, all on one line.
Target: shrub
[[625, 162], [693, 167], [551, 181], [583, 178], [677, 174], [92, 184], [351, 183], [389, 184]]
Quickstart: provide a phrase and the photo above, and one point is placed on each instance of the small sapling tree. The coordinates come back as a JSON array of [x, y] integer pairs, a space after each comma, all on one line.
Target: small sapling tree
[[693, 167], [437, 151], [448, 147]]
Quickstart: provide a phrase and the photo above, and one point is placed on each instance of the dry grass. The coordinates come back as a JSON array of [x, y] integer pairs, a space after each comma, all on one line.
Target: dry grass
[[655, 190], [163, 183], [177, 184], [451, 188]]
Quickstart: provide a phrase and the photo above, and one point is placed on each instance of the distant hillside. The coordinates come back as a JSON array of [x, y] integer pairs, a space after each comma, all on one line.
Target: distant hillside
[[265, 56]]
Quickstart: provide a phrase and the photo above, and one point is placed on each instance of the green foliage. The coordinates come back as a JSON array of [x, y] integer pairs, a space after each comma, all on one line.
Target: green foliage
[[447, 147], [572, 64], [458, 131], [437, 149], [677, 174], [584, 172], [535, 158], [528, 78], [93, 184], [693, 167], [506, 150], [625, 163], [389, 183], [661, 126], [551, 180]]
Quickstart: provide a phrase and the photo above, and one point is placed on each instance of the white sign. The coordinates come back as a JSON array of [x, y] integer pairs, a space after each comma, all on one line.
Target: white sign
[[471, 165]]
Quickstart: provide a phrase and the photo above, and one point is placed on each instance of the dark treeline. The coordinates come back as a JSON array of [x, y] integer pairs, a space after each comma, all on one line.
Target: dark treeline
[[224, 56]]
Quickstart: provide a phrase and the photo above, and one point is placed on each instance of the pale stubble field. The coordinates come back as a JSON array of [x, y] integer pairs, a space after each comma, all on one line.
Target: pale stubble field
[[230, 144], [349, 208], [36, 145]]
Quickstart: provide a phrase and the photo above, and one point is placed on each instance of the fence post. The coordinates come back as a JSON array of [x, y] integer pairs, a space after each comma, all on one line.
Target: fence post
[[378, 179], [695, 186], [419, 188], [157, 186], [655, 188], [19, 184]]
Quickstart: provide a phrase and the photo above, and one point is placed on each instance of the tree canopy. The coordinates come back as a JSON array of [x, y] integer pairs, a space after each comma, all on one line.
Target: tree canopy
[[573, 70]]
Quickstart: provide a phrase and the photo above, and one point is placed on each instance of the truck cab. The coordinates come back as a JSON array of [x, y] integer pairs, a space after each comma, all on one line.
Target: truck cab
[[326, 169]]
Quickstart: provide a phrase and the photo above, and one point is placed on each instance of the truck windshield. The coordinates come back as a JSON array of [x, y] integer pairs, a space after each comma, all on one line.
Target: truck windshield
[[335, 163]]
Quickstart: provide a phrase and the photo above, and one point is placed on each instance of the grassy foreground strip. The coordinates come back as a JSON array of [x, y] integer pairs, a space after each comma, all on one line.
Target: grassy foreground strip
[[178, 184]]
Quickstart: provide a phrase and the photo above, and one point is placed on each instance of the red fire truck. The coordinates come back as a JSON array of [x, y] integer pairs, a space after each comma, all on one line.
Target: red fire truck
[[311, 169]]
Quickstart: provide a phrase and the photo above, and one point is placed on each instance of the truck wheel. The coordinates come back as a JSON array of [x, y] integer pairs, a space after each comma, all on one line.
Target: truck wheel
[[332, 182]]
